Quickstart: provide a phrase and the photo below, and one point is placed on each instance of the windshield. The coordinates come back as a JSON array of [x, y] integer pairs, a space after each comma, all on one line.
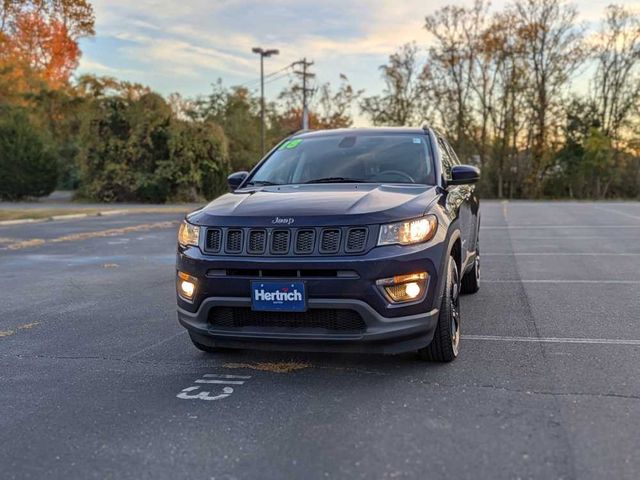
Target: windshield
[[372, 158]]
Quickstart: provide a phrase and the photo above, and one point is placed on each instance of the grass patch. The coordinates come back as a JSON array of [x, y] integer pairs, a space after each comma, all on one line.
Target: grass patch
[[273, 367]]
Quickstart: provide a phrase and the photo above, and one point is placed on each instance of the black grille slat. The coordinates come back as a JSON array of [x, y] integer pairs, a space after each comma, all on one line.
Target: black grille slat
[[356, 240], [330, 241], [340, 320], [213, 240], [280, 242], [257, 241], [234, 241], [305, 241]]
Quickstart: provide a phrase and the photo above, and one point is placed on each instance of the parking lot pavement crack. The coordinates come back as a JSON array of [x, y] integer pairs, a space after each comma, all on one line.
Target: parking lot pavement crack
[[157, 344]]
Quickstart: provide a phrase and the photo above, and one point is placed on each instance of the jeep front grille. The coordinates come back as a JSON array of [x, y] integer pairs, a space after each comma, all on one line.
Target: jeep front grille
[[330, 241], [214, 240], [356, 239], [283, 242], [280, 242], [305, 240], [234, 241], [257, 241]]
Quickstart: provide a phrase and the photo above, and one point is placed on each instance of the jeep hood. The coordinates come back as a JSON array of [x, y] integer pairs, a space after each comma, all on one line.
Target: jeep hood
[[317, 205]]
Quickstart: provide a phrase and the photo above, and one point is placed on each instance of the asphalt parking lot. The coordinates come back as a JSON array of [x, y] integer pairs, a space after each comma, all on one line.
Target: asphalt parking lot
[[98, 380]]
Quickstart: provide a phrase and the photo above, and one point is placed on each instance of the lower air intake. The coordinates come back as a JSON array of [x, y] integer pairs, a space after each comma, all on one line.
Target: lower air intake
[[337, 320]]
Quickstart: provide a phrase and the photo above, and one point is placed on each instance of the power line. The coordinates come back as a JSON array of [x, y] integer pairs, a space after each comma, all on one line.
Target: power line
[[254, 83], [278, 78]]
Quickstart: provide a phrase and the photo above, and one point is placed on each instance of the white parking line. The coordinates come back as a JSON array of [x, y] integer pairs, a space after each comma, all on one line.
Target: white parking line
[[217, 375], [623, 282], [569, 237], [539, 227], [613, 210], [601, 341], [561, 254]]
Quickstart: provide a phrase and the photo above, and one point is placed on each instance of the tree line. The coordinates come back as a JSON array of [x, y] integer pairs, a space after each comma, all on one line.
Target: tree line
[[505, 88], [543, 106]]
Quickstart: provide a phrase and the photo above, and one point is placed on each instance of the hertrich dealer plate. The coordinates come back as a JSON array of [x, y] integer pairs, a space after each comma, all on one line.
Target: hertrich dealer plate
[[278, 296]]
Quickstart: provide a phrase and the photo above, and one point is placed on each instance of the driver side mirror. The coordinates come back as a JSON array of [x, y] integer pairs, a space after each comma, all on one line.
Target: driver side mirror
[[235, 179], [464, 175]]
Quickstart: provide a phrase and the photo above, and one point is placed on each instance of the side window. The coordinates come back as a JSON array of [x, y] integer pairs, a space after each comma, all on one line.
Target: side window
[[447, 161]]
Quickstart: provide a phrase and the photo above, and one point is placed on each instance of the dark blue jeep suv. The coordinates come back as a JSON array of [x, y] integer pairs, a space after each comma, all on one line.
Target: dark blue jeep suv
[[341, 240]]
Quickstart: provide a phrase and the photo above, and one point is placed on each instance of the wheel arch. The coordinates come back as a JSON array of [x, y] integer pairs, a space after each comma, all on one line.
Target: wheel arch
[[453, 244]]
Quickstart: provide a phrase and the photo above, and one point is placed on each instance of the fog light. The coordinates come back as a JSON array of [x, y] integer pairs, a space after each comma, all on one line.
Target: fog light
[[187, 288], [186, 285], [404, 288], [412, 289]]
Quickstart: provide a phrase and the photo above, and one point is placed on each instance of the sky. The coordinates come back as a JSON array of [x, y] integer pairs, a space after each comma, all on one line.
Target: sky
[[185, 46]]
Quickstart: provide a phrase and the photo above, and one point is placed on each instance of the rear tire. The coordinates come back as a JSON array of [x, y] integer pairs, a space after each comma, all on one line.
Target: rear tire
[[202, 347], [446, 340], [471, 280]]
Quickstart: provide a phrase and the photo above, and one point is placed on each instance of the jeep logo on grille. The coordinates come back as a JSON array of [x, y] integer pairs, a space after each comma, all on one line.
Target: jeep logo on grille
[[282, 221]]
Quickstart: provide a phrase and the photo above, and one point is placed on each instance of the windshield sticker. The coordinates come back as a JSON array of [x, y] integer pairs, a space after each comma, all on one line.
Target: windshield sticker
[[417, 140], [291, 144]]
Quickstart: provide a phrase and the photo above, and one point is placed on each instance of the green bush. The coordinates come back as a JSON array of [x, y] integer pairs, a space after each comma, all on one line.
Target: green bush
[[27, 166], [134, 149]]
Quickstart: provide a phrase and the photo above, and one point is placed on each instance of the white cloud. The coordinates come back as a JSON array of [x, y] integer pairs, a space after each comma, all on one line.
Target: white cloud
[[198, 39]]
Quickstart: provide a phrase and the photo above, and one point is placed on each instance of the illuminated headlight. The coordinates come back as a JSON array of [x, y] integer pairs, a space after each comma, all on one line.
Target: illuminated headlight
[[186, 285], [188, 234], [409, 232], [404, 288]]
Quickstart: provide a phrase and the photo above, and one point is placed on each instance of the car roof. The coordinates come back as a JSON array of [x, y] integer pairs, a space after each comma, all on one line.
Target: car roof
[[360, 131]]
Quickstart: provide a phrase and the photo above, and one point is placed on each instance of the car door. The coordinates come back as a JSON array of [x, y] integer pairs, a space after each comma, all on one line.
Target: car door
[[468, 208]]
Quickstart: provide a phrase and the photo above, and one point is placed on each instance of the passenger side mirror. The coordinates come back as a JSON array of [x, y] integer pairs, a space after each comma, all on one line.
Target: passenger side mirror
[[235, 179], [464, 175]]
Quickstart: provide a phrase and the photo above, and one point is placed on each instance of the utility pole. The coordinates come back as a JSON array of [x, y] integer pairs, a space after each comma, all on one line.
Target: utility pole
[[263, 53], [305, 90]]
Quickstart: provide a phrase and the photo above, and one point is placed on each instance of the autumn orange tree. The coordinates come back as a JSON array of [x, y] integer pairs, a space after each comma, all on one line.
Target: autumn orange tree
[[39, 52], [41, 37]]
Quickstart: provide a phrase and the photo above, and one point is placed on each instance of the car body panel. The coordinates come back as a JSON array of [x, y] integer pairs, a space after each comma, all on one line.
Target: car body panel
[[318, 204]]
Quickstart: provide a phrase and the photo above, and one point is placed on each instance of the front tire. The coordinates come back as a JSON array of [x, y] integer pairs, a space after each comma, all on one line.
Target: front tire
[[446, 340], [471, 280]]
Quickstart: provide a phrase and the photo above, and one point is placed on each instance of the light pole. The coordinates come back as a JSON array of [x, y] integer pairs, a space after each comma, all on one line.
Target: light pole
[[263, 53]]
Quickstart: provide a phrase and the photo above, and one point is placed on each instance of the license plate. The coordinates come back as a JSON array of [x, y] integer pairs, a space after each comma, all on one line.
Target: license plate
[[285, 296]]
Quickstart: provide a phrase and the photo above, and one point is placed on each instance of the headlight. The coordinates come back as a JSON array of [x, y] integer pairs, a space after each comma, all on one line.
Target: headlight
[[188, 234], [407, 233]]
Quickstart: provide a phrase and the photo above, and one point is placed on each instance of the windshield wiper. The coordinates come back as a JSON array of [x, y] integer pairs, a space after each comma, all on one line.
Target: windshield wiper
[[261, 183], [336, 180]]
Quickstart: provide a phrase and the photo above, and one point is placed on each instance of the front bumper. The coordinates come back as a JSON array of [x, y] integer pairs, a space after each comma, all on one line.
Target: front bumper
[[389, 328], [382, 334]]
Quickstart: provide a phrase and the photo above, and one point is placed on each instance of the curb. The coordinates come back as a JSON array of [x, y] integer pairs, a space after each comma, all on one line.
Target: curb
[[71, 216]]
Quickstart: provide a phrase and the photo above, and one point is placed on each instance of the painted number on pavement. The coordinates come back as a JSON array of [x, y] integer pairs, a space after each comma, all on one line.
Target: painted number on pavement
[[217, 387]]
